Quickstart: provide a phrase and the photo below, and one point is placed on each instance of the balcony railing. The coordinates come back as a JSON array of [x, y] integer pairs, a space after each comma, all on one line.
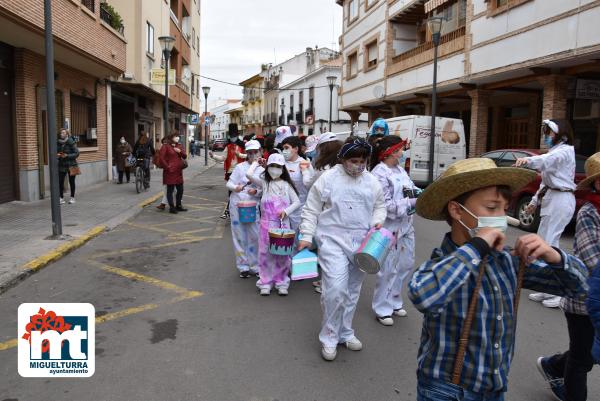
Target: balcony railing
[[90, 4], [111, 17]]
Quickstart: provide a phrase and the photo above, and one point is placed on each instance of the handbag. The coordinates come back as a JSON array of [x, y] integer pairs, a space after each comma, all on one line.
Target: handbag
[[130, 161], [75, 170], [184, 164]]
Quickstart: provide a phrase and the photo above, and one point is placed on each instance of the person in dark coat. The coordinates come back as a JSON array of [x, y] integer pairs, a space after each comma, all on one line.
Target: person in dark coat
[[122, 152], [67, 154], [143, 149], [172, 156]]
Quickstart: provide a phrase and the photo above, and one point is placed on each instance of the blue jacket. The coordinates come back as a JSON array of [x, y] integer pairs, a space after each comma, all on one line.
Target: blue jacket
[[593, 307]]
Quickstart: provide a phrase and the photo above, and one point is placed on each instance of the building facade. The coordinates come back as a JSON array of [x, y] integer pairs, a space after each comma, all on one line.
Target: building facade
[[504, 65], [253, 105], [89, 53], [220, 125], [138, 102]]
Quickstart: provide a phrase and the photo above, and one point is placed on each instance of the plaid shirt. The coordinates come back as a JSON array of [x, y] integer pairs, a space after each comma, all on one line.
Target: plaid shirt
[[587, 248], [441, 289]]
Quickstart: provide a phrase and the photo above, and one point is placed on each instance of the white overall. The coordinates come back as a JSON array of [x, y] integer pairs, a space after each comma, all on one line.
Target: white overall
[[302, 181], [244, 235], [400, 261], [339, 212]]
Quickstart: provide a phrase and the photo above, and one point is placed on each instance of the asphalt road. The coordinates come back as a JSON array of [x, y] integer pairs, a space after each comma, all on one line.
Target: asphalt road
[[175, 322]]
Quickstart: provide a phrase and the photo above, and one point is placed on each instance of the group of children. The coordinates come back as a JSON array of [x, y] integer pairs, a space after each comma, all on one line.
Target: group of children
[[468, 291]]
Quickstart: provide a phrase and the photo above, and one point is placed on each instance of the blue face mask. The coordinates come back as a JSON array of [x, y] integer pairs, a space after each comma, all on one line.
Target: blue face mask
[[311, 155], [548, 141], [499, 223]]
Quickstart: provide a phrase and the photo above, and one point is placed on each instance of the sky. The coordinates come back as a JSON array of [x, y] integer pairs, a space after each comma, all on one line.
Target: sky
[[237, 36]]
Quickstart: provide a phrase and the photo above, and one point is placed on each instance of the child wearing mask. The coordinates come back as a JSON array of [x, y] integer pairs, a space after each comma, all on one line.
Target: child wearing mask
[[301, 173], [473, 274], [231, 157], [279, 200], [244, 235], [400, 199], [342, 206]]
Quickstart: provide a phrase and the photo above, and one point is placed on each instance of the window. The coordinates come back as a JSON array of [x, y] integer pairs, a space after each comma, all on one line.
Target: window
[[495, 7], [83, 121], [149, 38], [370, 3], [352, 10], [193, 37], [352, 67], [372, 54]]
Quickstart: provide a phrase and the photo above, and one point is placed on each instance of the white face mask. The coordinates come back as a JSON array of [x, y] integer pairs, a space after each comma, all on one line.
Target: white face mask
[[176, 139], [287, 154], [497, 222], [354, 170], [123, 141], [275, 172]]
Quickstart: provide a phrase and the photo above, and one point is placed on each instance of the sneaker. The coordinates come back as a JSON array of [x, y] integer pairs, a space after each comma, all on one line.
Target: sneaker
[[539, 296], [318, 290], [553, 302], [316, 283], [385, 320], [224, 216], [282, 292], [400, 312], [244, 275], [354, 344], [173, 211], [62, 201], [265, 292], [557, 384], [329, 353], [71, 201], [162, 206]]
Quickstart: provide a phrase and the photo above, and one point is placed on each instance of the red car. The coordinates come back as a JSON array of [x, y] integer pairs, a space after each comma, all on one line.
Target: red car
[[218, 144], [520, 199]]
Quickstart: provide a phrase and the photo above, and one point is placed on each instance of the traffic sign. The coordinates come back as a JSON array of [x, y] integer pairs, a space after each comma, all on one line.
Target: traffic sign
[[194, 119], [207, 121]]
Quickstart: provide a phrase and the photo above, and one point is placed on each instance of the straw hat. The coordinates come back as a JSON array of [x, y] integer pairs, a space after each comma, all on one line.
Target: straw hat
[[466, 176], [592, 171]]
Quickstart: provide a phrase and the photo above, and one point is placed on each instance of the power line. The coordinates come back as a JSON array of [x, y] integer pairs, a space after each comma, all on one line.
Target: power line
[[261, 88]]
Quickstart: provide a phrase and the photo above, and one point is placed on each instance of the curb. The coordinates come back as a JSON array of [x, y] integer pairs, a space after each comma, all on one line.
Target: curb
[[52, 256]]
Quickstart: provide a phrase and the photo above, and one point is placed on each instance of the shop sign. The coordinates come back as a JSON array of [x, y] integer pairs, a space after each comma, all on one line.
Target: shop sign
[[588, 89]]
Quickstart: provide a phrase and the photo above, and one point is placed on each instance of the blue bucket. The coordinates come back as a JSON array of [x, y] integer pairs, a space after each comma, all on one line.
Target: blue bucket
[[372, 253], [247, 211]]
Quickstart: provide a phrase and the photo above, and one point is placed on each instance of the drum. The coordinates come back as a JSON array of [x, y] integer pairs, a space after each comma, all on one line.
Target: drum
[[374, 249], [247, 211], [304, 265], [281, 241]]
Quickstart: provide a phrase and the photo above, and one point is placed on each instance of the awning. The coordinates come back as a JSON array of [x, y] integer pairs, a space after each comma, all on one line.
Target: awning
[[433, 4], [410, 13]]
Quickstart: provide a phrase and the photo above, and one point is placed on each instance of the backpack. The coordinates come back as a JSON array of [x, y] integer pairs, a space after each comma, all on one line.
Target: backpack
[[156, 160]]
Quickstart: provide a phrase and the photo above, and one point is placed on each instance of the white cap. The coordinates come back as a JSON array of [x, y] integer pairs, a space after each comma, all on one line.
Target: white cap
[[252, 145], [276, 158], [327, 137], [281, 133], [552, 125], [311, 142]]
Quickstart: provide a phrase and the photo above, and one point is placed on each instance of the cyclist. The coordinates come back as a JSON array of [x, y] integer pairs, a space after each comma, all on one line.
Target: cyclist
[[143, 151]]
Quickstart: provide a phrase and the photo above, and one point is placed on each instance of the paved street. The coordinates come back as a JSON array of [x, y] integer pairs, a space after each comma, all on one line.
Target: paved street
[[174, 322]]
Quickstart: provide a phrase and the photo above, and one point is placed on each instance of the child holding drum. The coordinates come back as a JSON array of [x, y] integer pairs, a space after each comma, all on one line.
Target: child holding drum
[[279, 200], [395, 182], [342, 206], [244, 229]]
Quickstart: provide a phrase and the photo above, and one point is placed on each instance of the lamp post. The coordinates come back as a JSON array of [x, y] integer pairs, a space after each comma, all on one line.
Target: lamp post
[[435, 26], [282, 111], [52, 145], [331, 81], [166, 43], [205, 90]]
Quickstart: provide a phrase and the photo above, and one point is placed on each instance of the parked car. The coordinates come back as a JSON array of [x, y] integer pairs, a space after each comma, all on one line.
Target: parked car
[[521, 198], [218, 144]]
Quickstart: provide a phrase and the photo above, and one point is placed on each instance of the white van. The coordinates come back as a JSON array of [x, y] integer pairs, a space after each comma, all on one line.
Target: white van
[[450, 144]]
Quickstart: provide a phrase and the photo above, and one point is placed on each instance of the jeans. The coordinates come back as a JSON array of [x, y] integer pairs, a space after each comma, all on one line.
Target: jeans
[[437, 390], [170, 189], [61, 183], [127, 174], [575, 364]]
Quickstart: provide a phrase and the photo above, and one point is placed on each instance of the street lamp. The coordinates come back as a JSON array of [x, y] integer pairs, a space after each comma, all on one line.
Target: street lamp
[[331, 81], [282, 111], [206, 90], [166, 43], [435, 27]]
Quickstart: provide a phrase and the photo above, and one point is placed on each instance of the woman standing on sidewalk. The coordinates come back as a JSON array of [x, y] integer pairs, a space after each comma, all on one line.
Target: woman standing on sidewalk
[[67, 164], [556, 193], [122, 153], [172, 158]]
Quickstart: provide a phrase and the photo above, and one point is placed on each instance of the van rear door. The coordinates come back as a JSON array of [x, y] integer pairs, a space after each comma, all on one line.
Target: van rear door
[[450, 143]]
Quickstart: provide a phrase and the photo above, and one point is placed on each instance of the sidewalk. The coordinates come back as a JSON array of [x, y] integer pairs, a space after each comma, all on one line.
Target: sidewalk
[[24, 226]]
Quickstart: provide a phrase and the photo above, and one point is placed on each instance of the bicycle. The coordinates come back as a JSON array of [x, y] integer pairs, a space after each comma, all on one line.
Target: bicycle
[[140, 175]]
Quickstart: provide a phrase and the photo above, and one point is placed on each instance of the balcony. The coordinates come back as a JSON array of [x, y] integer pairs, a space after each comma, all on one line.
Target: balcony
[[89, 4], [450, 43], [109, 15]]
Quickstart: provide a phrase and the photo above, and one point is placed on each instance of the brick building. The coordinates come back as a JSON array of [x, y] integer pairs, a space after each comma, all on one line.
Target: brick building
[[89, 53], [504, 65]]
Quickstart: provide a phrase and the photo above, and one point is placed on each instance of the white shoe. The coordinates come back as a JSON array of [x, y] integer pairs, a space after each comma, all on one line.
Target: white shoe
[[354, 344], [329, 353], [539, 296], [282, 292], [553, 302], [71, 201], [385, 320], [62, 201], [318, 290], [400, 312], [265, 292]]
